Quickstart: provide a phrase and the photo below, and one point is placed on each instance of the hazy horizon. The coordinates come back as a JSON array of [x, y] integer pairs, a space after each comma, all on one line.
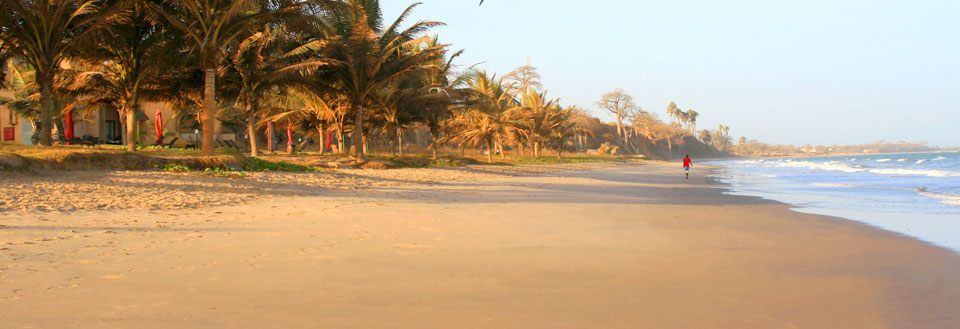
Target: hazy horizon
[[817, 72]]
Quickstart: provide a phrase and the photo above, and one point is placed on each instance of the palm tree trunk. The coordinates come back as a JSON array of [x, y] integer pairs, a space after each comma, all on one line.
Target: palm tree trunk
[[358, 140], [400, 141], [123, 127], [209, 111], [364, 138], [489, 152], [270, 137], [46, 109], [252, 131], [340, 142], [322, 137], [131, 116]]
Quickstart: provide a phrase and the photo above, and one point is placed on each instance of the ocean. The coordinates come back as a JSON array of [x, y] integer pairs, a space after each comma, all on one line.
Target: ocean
[[916, 194]]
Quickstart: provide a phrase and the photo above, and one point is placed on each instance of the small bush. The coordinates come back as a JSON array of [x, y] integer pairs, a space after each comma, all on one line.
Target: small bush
[[173, 167], [225, 172], [255, 164]]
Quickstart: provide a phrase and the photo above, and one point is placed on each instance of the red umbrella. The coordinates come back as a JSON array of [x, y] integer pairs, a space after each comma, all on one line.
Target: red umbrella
[[289, 138], [158, 126], [68, 130]]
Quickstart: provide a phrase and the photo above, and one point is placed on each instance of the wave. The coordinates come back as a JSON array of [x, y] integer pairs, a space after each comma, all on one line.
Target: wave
[[884, 160], [939, 158], [838, 166], [902, 160], [920, 161], [945, 198], [832, 185]]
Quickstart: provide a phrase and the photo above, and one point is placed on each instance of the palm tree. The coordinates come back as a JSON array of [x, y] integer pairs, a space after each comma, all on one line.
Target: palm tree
[[534, 119], [22, 90], [372, 56], [267, 60], [301, 106], [45, 33], [691, 119], [674, 112], [444, 84], [562, 128], [209, 26], [121, 70], [481, 119]]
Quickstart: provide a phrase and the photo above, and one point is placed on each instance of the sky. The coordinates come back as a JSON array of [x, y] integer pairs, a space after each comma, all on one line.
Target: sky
[[786, 72]]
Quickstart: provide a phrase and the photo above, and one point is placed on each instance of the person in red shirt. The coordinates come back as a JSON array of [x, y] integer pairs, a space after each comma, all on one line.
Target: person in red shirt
[[687, 162]]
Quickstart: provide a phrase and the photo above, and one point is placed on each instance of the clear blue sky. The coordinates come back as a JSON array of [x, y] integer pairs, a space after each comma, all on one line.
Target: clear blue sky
[[811, 71]]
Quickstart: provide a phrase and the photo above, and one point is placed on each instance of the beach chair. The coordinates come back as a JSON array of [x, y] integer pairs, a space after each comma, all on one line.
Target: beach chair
[[170, 144], [234, 145]]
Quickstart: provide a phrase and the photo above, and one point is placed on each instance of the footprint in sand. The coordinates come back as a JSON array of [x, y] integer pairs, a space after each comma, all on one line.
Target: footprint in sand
[[112, 276]]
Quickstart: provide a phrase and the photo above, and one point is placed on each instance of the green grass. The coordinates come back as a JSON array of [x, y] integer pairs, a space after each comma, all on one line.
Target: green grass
[[256, 164], [565, 160], [225, 172]]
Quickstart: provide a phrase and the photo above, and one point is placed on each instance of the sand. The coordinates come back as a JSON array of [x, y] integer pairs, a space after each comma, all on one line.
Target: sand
[[611, 246]]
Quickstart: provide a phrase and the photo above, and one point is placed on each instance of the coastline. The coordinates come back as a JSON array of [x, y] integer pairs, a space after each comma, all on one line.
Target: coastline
[[624, 246], [891, 198]]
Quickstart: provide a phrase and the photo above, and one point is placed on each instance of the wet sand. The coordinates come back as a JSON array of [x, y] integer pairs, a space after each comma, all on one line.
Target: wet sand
[[619, 246]]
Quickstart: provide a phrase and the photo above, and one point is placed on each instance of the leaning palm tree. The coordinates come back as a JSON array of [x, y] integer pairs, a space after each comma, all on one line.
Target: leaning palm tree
[[372, 56], [209, 25], [268, 60], [302, 106], [45, 33]]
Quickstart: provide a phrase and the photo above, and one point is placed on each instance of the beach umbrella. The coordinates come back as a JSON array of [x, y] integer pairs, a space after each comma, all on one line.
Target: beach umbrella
[[289, 138], [68, 130], [158, 127]]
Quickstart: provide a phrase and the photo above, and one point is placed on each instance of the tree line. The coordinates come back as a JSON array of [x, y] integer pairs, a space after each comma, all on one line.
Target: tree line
[[325, 67]]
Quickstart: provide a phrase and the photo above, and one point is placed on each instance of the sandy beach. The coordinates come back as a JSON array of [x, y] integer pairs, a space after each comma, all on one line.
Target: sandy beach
[[575, 246]]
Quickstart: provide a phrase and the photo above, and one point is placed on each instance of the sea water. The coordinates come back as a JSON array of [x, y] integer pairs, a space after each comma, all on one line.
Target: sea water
[[916, 194]]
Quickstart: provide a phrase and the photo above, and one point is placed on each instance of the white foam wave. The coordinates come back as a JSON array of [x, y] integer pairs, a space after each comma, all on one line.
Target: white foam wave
[[945, 198], [902, 160], [939, 158], [884, 160], [832, 185], [836, 166], [920, 161]]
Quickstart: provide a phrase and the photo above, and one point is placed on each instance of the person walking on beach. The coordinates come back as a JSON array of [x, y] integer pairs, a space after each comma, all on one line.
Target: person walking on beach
[[687, 162]]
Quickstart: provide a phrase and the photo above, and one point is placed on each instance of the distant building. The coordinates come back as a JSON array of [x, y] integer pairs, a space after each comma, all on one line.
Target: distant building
[[107, 126]]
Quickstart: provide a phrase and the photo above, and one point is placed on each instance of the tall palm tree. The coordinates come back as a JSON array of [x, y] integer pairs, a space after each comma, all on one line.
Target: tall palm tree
[[210, 25], [691, 119], [372, 56], [45, 33], [441, 81]]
